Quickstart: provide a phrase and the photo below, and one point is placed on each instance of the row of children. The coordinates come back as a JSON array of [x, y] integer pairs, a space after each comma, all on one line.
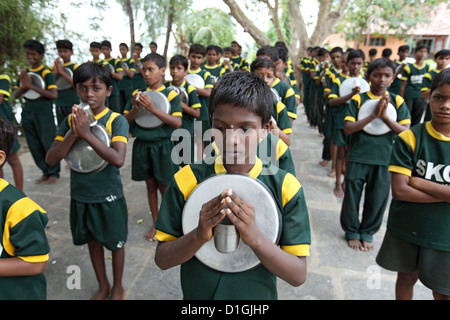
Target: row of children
[[98, 210]]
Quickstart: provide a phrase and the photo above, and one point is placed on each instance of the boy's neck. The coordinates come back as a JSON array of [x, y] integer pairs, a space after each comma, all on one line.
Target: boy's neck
[[379, 92], [194, 68], [211, 65], [156, 85], [419, 63], [66, 61], [98, 110], [443, 129], [177, 83]]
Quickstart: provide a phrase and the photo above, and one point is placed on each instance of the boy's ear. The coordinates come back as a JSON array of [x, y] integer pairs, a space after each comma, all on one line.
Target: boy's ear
[[266, 129], [109, 91], [2, 158]]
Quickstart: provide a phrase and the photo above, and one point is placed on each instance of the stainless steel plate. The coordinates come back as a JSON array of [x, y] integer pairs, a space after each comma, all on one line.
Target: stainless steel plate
[[348, 84], [148, 120], [82, 158], [196, 80], [377, 126], [268, 219], [37, 81], [276, 95], [61, 83], [184, 97]]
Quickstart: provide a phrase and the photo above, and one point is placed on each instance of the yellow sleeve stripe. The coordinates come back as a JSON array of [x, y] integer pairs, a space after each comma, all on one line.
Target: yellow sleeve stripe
[[197, 105], [3, 184], [357, 98], [401, 170], [52, 86], [299, 250], [350, 118], [5, 77], [120, 139], [113, 116], [287, 130], [292, 115], [289, 188], [190, 88], [327, 90], [289, 93], [281, 148], [399, 100], [280, 106], [409, 138], [172, 94], [332, 96], [17, 212], [35, 259], [209, 86], [186, 181], [177, 114], [59, 138], [405, 121], [45, 72], [4, 92], [162, 236]]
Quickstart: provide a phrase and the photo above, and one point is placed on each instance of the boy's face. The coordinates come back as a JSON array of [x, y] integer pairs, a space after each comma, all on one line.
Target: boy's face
[[196, 60], [355, 65], [442, 62], [403, 54], [235, 48], [93, 92], [177, 72], [440, 104], [153, 48], [95, 53], [381, 78], [152, 74], [106, 51], [227, 54], [34, 58], [336, 58], [137, 50], [211, 57], [237, 133], [421, 54], [123, 51], [325, 57], [344, 64], [267, 74], [65, 54]]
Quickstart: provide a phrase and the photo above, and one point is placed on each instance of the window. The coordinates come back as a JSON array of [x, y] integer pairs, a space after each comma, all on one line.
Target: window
[[377, 42]]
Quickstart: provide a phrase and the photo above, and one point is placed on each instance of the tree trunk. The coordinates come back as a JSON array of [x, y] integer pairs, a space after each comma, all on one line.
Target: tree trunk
[[169, 27], [129, 11]]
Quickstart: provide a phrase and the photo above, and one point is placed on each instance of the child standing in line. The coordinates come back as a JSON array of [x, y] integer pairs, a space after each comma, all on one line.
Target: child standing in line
[[98, 210], [126, 84], [403, 53], [417, 240], [369, 155], [113, 101], [212, 65], [24, 246], [138, 79]]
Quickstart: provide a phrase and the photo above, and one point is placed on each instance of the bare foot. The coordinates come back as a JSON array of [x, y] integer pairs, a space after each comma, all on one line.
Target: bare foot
[[41, 179], [150, 236], [332, 174], [101, 294], [117, 293], [355, 244], [323, 163], [51, 180], [366, 246], [338, 191]]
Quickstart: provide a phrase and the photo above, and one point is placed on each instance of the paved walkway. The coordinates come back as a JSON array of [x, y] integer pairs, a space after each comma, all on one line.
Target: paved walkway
[[335, 272]]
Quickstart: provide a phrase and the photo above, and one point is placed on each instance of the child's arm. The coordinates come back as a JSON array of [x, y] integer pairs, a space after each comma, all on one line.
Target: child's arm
[[194, 112], [15, 266], [434, 189], [402, 89], [146, 101], [59, 69], [337, 101], [204, 92], [279, 133], [26, 84], [286, 266], [403, 190]]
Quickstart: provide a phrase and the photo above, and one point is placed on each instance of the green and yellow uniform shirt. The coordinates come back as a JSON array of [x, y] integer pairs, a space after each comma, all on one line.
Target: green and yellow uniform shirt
[[41, 105], [428, 78], [194, 103], [241, 62], [290, 74], [397, 83], [371, 149], [201, 282], [67, 97], [126, 83], [163, 132], [138, 79], [422, 152], [117, 65], [280, 114], [215, 71], [287, 95], [204, 101], [413, 75], [22, 235], [104, 185], [5, 108], [339, 111]]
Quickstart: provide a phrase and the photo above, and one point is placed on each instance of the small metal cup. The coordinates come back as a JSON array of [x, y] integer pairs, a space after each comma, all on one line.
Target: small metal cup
[[226, 236], [87, 109]]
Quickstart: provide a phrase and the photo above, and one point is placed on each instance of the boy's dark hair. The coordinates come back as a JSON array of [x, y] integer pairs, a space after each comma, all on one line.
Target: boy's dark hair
[[386, 53], [6, 137], [138, 44], [403, 48], [357, 53], [282, 53], [336, 49], [154, 43], [420, 47], [95, 44], [262, 62], [442, 53], [380, 63], [268, 51], [440, 79], [373, 52], [179, 59], [123, 44], [64, 44], [235, 42], [106, 43], [323, 52], [34, 45], [211, 47], [229, 49], [244, 90], [158, 59], [92, 70], [197, 48], [219, 50]]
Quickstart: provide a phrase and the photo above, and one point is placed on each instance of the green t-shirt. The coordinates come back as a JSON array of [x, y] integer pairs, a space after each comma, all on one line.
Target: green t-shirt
[[117, 65], [422, 152], [397, 83], [104, 185], [215, 71], [414, 76], [287, 95], [204, 101], [201, 282], [373, 149], [5, 89], [22, 235], [138, 79], [340, 110], [67, 97], [126, 83], [428, 78]]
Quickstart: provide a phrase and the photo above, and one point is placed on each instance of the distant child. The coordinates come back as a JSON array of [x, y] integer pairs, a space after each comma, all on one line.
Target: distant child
[[417, 240], [403, 53], [67, 97], [98, 210], [372, 56], [229, 65], [412, 78], [368, 156], [138, 79], [319, 83], [240, 101], [113, 101], [152, 148], [442, 59], [351, 66], [24, 246], [126, 84], [7, 114], [306, 81], [212, 65], [37, 116], [237, 58], [95, 48], [178, 70], [196, 57]]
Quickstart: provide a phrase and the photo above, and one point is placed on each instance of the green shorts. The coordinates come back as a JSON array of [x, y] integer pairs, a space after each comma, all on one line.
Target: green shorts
[[153, 160], [406, 257], [105, 222]]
